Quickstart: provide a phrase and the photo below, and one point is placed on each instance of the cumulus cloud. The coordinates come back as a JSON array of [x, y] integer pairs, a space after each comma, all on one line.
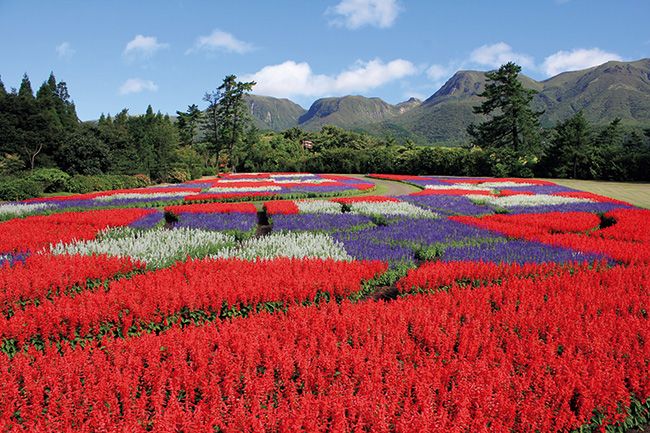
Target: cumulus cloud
[[64, 50], [297, 79], [143, 46], [358, 13], [439, 72], [220, 40], [497, 54], [575, 60], [137, 85]]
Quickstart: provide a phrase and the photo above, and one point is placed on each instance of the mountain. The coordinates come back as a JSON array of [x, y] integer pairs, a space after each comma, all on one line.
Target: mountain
[[350, 112], [613, 89], [273, 113]]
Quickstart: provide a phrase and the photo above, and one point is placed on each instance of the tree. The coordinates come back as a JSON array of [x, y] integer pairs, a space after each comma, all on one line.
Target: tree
[[227, 117], [572, 148], [188, 123], [513, 126]]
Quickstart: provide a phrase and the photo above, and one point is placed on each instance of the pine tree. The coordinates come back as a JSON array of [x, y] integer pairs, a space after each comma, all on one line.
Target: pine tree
[[513, 124], [227, 117], [25, 91]]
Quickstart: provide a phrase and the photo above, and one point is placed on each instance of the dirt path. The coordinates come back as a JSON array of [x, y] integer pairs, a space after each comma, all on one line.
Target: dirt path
[[386, 187]]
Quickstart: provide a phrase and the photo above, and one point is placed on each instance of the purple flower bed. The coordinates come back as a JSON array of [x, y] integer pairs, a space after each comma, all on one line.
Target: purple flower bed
[[516, 251], [148, 221], [325, 222], [366, 248], [12, 259], [447, 204], [218, 221]]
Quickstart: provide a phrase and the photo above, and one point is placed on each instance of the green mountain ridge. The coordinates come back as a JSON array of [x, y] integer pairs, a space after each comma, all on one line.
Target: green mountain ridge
[[604, 92]]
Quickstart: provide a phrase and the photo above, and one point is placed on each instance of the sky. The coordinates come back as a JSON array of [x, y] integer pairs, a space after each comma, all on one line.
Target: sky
[[128, 54]]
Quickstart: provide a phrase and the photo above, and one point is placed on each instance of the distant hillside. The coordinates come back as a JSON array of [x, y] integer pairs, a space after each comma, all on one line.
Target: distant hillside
[[273, 113], [351, 112], [614, 89]]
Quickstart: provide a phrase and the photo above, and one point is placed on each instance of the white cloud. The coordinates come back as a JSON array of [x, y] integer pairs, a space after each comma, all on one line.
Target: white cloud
[[439, 72], [137, 85], [575, 60], [297, 79], [220, 40], [497, 54], [65, 50], [143, 46], [358, 13]]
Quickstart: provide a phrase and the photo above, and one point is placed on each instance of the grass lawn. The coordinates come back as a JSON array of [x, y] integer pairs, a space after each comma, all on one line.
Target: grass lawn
[[636, 193]]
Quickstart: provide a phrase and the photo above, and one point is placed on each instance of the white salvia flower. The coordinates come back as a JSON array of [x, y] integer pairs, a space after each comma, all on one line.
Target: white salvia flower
[[21, 209], [314, 181], [390, 208], [525, 200], [137, 195], [505, 184], [288, 244], [226, 189], [273, 176], [158, 247], [318, 206], [255, 179], [468, 186]]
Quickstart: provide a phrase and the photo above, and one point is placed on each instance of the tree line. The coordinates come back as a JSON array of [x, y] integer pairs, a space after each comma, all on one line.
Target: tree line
[[41, 131]]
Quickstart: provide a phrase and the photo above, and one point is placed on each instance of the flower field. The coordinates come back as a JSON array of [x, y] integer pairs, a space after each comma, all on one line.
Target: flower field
[[472, 305]]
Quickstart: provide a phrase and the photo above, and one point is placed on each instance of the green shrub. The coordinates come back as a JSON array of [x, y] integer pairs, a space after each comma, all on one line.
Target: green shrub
[[52, 179], [83, 184], [12, 189], [178, 175]]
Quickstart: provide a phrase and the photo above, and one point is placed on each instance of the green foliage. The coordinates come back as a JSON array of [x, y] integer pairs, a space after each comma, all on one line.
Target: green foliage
[[513, 126], [51, 179], [12, 189], [81, 184], [83, 152], [11, 164]]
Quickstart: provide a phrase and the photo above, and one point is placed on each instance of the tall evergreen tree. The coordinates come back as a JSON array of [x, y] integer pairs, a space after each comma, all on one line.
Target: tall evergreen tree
[[188, 123], [571, 149], [227, 117], [513, 124], [25, 91]]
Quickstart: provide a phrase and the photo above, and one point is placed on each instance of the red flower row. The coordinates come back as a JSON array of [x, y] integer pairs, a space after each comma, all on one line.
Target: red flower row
[[206, 285], [523, 356], [45, 276], [213, 208], [37, 232]]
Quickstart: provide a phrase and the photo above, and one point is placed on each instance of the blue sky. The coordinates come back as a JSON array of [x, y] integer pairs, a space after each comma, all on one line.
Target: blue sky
[[127, 54]]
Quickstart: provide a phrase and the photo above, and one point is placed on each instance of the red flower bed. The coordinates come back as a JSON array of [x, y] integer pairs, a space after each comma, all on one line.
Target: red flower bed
[[36, 232], [46, 276], [284, 207], [590, 196], [213, 208], [519, 357], [508, 192], [627, 240], [500, 179], [205, 285], [432, 276]]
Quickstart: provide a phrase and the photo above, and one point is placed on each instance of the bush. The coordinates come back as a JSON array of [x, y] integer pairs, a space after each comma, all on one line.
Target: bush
[[51, 179], [12, 189], [83, 184], [178, 175]]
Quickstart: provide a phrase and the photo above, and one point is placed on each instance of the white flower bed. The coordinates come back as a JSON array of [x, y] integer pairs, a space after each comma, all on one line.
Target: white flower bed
[[316, 181], [226, 189], [318, 206], [525, 200], [240, 180], [273, 176], [506, 184], [468, 186], [21, 209], [137, 195], [288, 244], [390, 208], [157, 248]]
